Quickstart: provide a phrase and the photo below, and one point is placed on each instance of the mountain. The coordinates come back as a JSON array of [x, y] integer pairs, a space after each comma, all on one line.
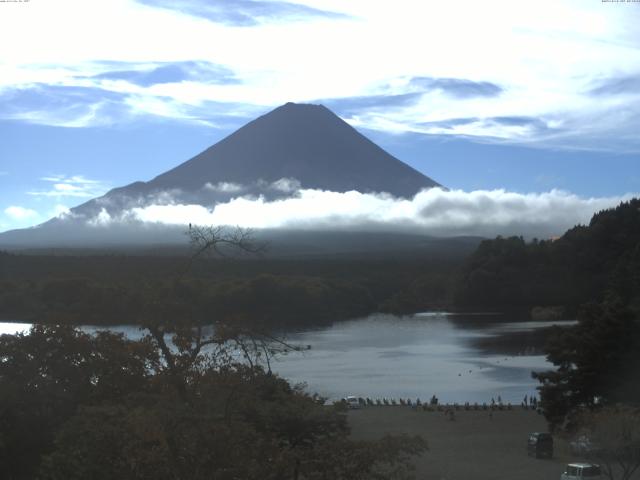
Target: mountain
[[295, 146], [308, 143]]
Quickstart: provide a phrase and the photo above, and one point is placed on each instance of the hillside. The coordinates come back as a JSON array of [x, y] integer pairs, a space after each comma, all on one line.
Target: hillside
[[585, 264]]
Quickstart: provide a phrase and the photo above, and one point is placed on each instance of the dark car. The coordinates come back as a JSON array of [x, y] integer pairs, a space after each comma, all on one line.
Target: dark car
[[540, 445]]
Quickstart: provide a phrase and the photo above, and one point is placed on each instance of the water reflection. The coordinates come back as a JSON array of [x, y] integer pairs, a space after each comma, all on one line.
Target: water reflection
[[459, 358], [456, 357]]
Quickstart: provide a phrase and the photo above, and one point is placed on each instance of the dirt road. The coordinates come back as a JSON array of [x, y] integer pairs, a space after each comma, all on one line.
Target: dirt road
[[473, 446]]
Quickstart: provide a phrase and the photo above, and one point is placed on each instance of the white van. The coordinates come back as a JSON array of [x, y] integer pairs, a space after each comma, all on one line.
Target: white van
[[578, 471], [352, 402]]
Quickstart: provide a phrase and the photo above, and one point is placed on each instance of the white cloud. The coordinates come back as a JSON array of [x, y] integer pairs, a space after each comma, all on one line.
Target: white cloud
[[60, 211], [546, 55], [16, 216], [16, 212], [286, 185], [224, 187], [70, 186], [102, 219], [430, 212]]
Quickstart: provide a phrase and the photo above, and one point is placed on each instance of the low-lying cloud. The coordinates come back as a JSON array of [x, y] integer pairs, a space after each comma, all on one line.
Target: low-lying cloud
[[431, 212]]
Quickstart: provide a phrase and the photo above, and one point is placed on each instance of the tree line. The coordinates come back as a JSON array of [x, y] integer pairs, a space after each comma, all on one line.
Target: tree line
[[585, 264], [108, 289]]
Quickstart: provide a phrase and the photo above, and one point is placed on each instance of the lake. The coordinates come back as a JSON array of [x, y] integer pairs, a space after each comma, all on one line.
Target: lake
[[459, 358]]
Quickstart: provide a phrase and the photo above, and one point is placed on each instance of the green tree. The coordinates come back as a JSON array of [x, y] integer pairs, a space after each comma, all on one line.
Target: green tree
[[47, 374], [597, 363]]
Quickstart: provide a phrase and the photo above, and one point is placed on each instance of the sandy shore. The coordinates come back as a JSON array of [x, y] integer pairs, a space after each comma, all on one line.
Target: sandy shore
[[473, 446]]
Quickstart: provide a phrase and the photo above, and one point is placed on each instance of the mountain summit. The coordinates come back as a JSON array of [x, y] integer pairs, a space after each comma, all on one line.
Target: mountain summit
[[308, 143], [295, 146]]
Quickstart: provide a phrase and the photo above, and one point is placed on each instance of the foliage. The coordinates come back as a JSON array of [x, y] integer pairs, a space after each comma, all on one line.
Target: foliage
[[580, 266], [190, 400], [80, 406], [614, 436], [46, 374], [110, 290], [597, 362]]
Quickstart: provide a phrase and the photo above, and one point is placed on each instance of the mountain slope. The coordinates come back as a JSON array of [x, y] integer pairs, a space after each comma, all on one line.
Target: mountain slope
[[295, 146], [306, 142]]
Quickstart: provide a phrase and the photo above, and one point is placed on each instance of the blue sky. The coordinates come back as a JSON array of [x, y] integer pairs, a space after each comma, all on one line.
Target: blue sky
[[522, 96]]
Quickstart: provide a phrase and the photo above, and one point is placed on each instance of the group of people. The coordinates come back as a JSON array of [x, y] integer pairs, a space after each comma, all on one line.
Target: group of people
[[529, 402]]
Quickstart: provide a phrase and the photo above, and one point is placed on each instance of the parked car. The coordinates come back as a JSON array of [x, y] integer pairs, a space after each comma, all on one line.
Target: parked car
[[540, 444], [578, 471], [352, 402]]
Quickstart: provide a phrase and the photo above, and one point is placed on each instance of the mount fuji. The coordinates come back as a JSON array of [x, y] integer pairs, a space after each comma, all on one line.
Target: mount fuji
[[293, 147]]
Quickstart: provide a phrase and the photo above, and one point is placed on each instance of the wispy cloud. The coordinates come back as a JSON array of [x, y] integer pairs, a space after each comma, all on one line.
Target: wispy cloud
[[70, 186], [505, 128], [64, 106], [146, 74], [413, 90], [403, 69], [360, 104], [456, 87], [100, 102], [629, 84], [245, 12]]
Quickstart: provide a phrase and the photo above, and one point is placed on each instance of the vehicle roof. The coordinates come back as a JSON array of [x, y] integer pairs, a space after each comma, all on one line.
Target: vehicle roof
[[582, 465]]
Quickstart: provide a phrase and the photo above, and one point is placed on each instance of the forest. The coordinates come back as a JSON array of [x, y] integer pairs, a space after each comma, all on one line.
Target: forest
[[584, 265], [553, 275], [283, 292]]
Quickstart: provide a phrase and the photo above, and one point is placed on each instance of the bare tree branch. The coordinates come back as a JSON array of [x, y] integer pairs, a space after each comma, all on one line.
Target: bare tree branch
[[189, 342], [220, 241]]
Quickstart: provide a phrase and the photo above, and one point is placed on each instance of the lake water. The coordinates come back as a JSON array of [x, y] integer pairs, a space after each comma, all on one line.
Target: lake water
[[458, 358]]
